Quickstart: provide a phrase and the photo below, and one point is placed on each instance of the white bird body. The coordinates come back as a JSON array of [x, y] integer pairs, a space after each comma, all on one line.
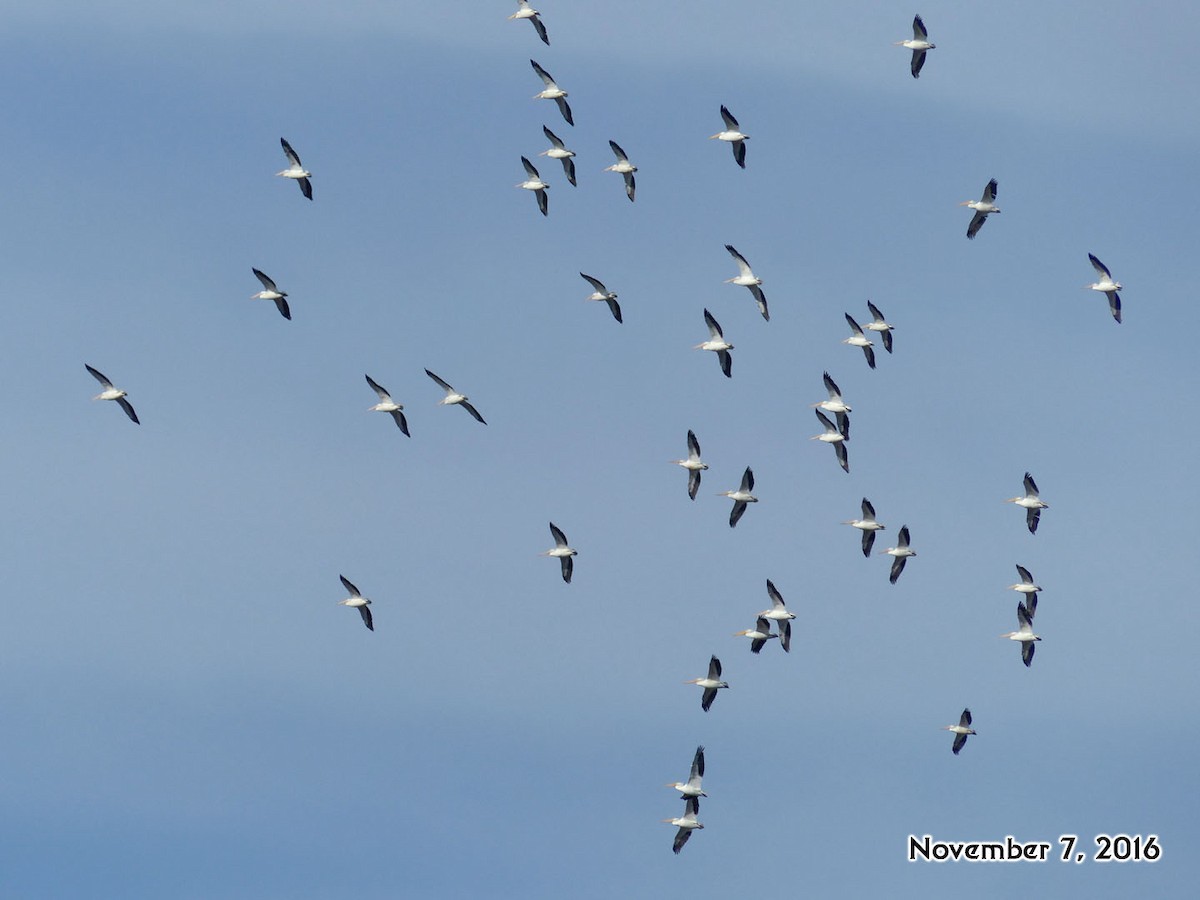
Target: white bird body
[[984, 207], [602, 293], [732, 135], [740, 497], [1026, 585], [960, 731], [357, 601], [387, 405], [759, 634], [686, 824], [552, 91], [1031, 503], [295, 170], [717, 344], [867, 525], [525, 11], [1107, 286], [271, 291], [624, 167], [858, 339], [694, 464], [879, 324], [560, 152], [711, 683], [534, 183], [692, 787], [918, 45], [1024, 633], [747, 278], [900, 553], [834, 435], [111, 392], [562, 552], [835, 404], [453, 397]]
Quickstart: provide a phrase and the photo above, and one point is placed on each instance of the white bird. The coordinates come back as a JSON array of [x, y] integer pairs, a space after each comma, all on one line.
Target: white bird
[[1108, 287], [833, 435], [759, 634], [600, 292], [624, 166], [778, 613], [271, 292], [562, 552], [858, 339], [686, 823], [295, 170], [836, 405], [747, 278], [525, 11], [710, 684], [357, 600], [388, 405], [731, 133], [740, 497], [1024, 633], [1026, 585], [692, 787], [693, 464], [560, 152], [112, 393], [984, 207], [878, 323], [1031, 503], [717, 344], [900, 554], [961, 730], [534, 183], [552, 92], [918, 45], [454, 397], [867, 525]]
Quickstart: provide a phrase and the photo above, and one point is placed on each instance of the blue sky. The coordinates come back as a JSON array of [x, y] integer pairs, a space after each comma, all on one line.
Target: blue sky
[[187, 711]]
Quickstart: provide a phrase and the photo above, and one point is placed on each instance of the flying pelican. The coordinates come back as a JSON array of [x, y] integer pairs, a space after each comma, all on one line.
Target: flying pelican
[[983, 207], [858, 339], [780, 615], [356, 599], [552, 92], [525, 11], [112, 393], [625, 167], [562, 551], [1024, 633], [1031, 503], [961, 730], [1107, 286], [691, 787], [600, 292], [878, 323], [687, 824], [388, 405], [918, 45], [693, 464], [736, 139], [836, 405], [710, 684], [271, 292], [559, 151], [295, 170], [454, 397], [759, 634], [1026, 584], [833, 435], [717, 344], [534, 183], [900, 554], [740, 497], [867, 525], [747, 278]]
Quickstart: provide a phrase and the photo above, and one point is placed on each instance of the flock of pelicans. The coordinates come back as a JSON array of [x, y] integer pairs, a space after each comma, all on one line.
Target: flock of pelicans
[[835, 431]]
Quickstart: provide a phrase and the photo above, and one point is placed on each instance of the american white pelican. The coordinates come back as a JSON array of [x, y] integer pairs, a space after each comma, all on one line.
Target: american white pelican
[[271, 292], [112, 393], [1031, 503], [984, 207], [710, 684], [691, 787], [867, 525], [759, 634], [961, 730], [747, 278], [525, 11], [454, 397], [1024, 633], [600, 292], [737, 140], [858, 339], [900, 554], [552, 92], [778, 613], [740, 497], [357, 600], [1107, 287], [560, 152], [693, 464], [836, 405], [686, 823], [878, 323], [295, 170], [624, 166], [918, 45], [1026, 585], [388, 405], [833, 435], [534, 183], [717, 344], [562, 552]]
